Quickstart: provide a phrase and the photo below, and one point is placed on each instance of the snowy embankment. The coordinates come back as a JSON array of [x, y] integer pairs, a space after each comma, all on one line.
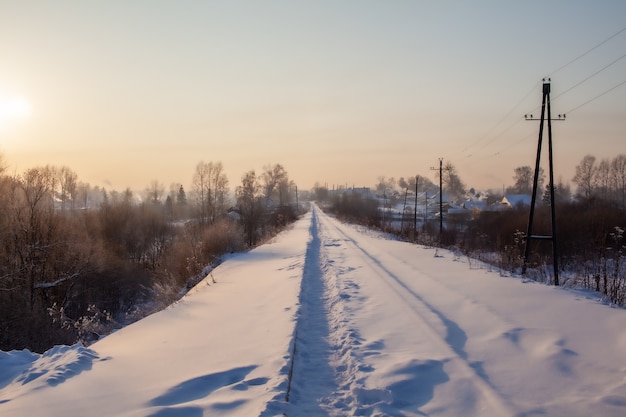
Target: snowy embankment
[[331, 320]]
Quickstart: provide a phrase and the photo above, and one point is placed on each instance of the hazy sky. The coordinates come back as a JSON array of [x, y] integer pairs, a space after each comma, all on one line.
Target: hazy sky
[[340, 92]]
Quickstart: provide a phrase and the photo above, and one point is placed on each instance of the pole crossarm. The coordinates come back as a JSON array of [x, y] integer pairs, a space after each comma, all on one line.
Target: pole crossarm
[[560, 117]]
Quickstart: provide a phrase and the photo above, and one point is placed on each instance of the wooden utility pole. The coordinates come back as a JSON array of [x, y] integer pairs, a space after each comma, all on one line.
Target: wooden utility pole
[[406, 194], [440, 195], [545, 116], [417, 178]]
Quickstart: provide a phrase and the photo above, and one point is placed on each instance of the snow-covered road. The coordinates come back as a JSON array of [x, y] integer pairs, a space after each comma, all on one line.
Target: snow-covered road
[[334, 320], [388, 347], [417, 331]]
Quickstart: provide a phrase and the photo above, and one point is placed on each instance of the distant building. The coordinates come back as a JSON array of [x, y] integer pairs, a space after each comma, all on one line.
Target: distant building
[[475, 205], [363, 192], [515, 200]]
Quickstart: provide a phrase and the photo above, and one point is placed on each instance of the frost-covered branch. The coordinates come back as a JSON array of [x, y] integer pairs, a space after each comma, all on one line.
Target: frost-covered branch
[[56, 283]]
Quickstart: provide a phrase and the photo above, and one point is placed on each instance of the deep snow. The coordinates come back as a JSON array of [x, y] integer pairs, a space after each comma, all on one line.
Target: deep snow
[[333, 320]]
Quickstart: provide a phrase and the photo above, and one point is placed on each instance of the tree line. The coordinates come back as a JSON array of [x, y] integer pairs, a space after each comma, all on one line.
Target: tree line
[[77, 261], [604, 179]]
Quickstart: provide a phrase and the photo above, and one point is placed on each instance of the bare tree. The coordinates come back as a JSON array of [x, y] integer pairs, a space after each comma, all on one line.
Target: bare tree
[[321, 192], [385, 185], [210, 187], [585, 175], [69, 187], [271, 180], [452, 181], [424, 185], [523, 180], [618, 177], [3, 166], [524, 177], [201, 187], [37, 188], [220, 189], [83, 194], [602, 178], [155, 235], [43, 254], [155, 192], [250, 207]]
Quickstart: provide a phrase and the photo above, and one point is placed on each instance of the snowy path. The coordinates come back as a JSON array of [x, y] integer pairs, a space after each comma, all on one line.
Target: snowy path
[[408, 331], [333, 320], [434, 341], [339, 302]]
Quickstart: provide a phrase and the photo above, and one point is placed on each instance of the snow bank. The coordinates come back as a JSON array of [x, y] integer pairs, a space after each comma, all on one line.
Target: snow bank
[[24, 371]]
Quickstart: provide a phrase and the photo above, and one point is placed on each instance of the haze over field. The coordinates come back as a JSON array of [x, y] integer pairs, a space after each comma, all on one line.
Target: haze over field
[[125, 93]]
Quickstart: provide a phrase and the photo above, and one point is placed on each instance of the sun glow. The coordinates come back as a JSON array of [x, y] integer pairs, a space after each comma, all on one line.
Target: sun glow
[[13, 108]]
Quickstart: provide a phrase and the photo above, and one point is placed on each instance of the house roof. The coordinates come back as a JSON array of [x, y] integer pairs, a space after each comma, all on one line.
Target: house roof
[[514, 200]]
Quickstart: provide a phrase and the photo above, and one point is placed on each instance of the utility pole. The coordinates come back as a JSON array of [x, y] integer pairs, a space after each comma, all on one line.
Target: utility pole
[[545, 108], [297, 202], [406, 194], [440, 195], [384, 204], [417, 178]]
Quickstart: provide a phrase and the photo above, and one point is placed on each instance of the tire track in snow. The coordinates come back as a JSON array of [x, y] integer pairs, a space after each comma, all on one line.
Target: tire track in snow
[[434, 319]]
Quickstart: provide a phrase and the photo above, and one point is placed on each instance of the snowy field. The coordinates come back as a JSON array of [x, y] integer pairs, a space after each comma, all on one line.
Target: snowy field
[[329, 320]]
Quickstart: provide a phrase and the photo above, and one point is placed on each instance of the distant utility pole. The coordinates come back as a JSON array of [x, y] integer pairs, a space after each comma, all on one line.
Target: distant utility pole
[[417, 179], [440, 195], [406, 194], [545, 108]]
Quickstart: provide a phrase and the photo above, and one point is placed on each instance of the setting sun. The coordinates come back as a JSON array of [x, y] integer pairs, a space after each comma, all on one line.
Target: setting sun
[[13, 108]]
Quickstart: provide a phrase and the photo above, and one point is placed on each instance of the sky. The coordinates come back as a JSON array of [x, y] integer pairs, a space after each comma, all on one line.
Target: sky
[[340, 93], [349, 324]]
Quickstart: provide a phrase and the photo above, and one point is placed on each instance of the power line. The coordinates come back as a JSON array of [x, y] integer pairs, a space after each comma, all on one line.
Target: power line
[[480, 144], [588, 51], [589, 77], [499, 135], [490, 131], [522, 139], [574, 86], [526, 137], [596, 97], [513, 144]]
